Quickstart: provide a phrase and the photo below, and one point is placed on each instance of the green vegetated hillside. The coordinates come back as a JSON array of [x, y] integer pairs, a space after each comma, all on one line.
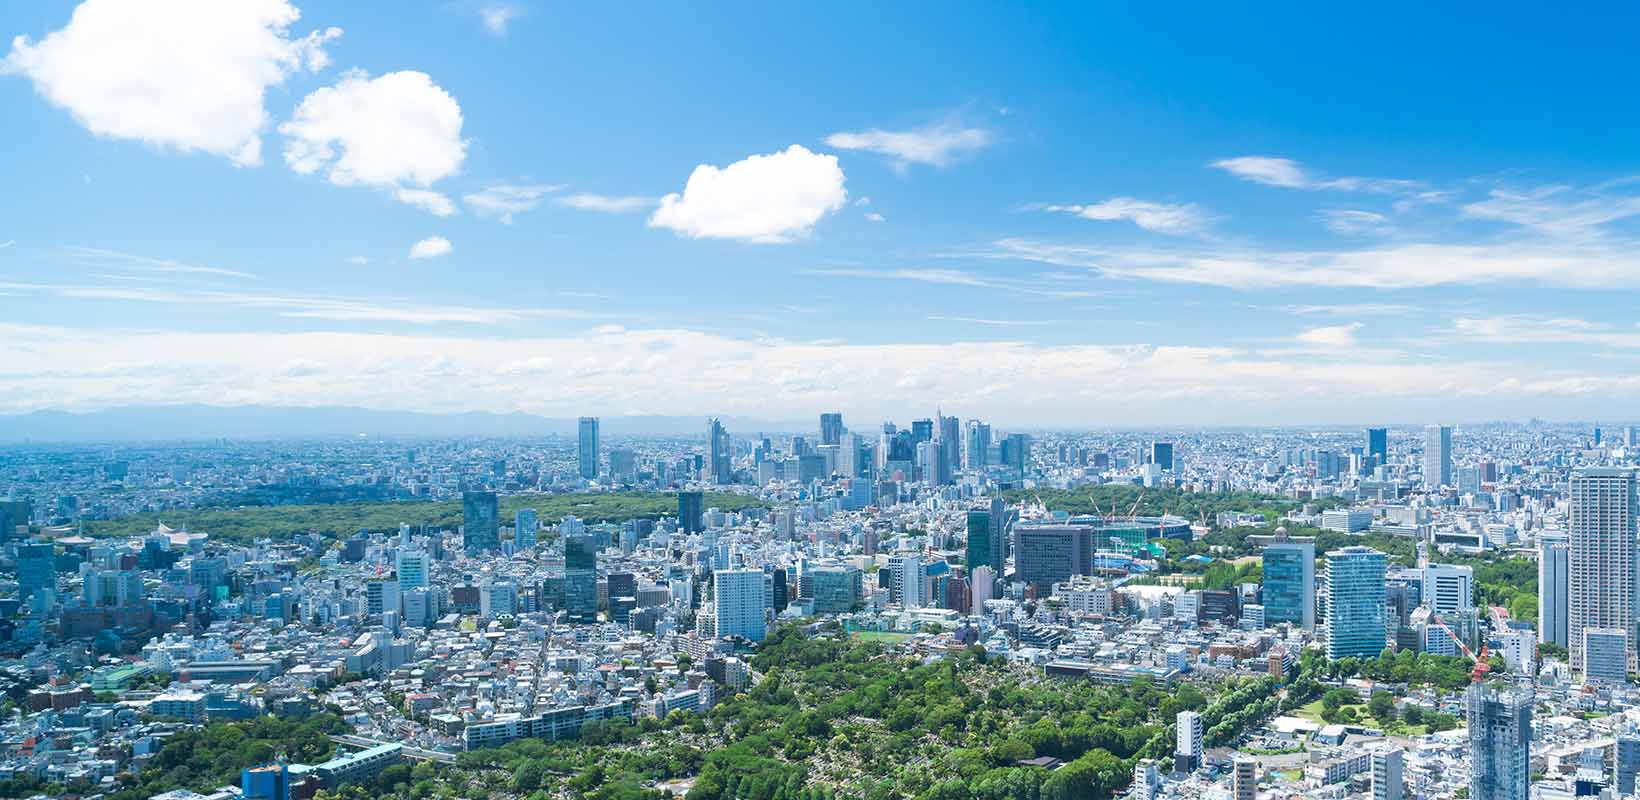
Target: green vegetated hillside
[[246, 523], [1120, 499]]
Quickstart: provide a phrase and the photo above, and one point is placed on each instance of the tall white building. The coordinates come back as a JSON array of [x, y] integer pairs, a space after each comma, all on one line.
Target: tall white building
[[1554, 588], [1602, 558], [738, 600], [1448, 588], [1189, 741], [1437, 456], [907, 573]]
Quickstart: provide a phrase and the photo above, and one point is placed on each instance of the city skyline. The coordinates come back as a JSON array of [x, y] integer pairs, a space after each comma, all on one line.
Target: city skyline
[[1090, 233]]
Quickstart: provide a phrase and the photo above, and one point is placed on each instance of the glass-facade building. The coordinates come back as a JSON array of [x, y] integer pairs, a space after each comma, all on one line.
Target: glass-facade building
[[1289, 583], [581, 577], [1500, 742], [1357, 614]]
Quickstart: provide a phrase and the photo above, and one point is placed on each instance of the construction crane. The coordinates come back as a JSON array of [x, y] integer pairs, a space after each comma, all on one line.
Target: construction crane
[[1482, 667]]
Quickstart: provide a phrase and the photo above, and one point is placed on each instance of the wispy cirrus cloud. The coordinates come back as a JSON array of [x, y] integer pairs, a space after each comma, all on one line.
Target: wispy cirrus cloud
[[607, 204], [956, 277], [1289, 174], [1542, 329], [938, 145], [505, 200], [1339, 336], [101, 258], [1559, 211], [1170, 218]]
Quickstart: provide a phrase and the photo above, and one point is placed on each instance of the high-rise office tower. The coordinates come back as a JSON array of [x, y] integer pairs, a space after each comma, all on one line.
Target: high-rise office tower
[[1289, 582], [36, 568], [1161, 454], [581, 577], [1016, 453], [1355, 603], [691, 512], [1449, 589], [922, 430], [717, 453], [1244, 778], [1437, 456], [1602, 557], [525, 526], [831, 428], [480, 522], [738, 599], [907, 576], [1626, 759], [976, 443], [949, 435], [412, 566], [988, 537], [1048, 554], [1388, 781], [1378, 444], [1500, 741], [588, 448], [1189, 742], [1554, 589]]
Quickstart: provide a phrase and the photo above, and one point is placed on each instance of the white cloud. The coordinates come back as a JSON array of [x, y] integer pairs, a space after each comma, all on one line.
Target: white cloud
[[431, 247], [1003, 323], [189, 75], [620, 371], [358, 260], [1355, 222], [1160, 217], [768, 199], [506, 200], [875, 217], [398, 132], [1537, 329], [1335, 336], [606, 204], [954, 277], [935, 145], [496, 16], [1354, 309], [100, 258], [1289, 174], [1390, 267], [427, 200], [7, 243], [1554, 210]]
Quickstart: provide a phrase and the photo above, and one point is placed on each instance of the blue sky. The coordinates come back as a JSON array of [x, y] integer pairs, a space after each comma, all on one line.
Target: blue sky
[[1079, 215]]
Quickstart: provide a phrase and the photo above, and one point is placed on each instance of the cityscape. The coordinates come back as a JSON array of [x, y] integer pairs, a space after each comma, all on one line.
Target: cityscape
[[897, 401]]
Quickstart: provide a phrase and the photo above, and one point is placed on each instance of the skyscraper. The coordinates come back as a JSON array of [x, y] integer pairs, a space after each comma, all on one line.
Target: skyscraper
[[949, 435], [1047, 554], [36, 568], [717, 453], [1289, 582], [1554, 589], [480, 522], [1437, 456], [737, 597], [831, 428], [581, 577], [1161, 454], [1602, 557], [525, 526], [1449, 589], [1378, 444], [412, 568], [1016, 453], [691, 510], [907, 575], [1355, 603], [588, 448], [987, 537], [1500, 741], [976, 444]]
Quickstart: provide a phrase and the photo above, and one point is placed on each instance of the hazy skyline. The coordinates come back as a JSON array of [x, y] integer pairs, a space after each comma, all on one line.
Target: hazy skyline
[[1091, 217]]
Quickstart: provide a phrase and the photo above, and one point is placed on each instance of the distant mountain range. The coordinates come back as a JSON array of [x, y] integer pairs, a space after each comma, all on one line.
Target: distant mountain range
[[201, 422]]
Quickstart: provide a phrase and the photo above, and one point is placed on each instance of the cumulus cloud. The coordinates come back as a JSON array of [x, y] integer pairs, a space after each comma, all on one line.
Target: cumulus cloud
[[504, 200], [624, 371], [188, 75], [768, 199], [427, 200], [934, 145], [606, 204], [397, 132], [1160, 217], [431, 247]]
